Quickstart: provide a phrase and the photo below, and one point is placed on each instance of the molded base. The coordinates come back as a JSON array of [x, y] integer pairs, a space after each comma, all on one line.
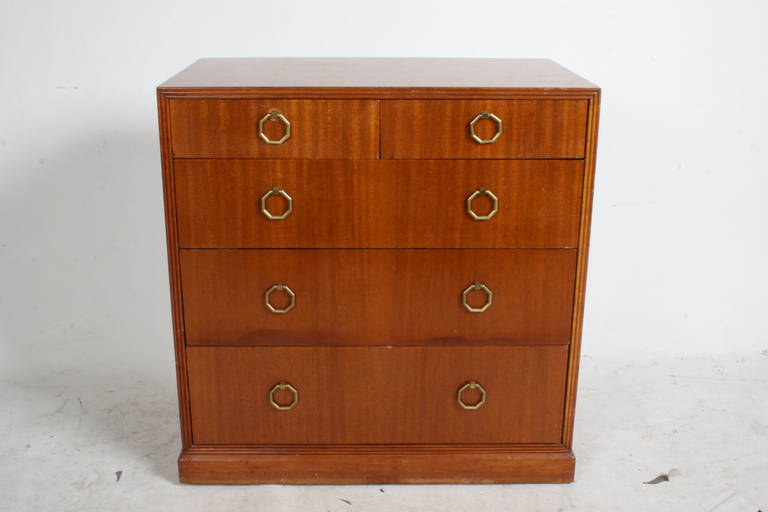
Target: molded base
[[374, 465]]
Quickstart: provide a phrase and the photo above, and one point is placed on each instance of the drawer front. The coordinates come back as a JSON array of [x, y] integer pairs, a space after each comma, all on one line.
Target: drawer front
[[375, 203], [377, 297], [233, 128], [538, 128], [372, 395]]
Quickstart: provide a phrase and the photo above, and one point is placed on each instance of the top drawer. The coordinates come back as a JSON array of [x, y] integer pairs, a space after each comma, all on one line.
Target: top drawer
[[234, 128], [530, 128]]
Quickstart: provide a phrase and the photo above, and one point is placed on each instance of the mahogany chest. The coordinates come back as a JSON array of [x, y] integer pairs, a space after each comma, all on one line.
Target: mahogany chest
[[377, 267]]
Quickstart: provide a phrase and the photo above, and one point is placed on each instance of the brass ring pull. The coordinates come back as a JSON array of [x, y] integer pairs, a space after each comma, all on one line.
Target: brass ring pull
[[485, 115], [274, 115], [471, 385], [484, 289], [276, 192], [281, 386], [473, 195], [280, 287]]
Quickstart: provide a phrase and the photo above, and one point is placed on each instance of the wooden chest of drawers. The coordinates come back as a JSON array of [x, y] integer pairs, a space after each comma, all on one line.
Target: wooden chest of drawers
[[377, 267]]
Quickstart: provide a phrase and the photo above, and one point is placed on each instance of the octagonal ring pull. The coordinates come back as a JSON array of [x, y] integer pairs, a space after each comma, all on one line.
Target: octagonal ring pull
[[491, 196], [275, 115], [282, 386], [479, 117], [471, 385], [276, 192], [474, 287], [280, 287]]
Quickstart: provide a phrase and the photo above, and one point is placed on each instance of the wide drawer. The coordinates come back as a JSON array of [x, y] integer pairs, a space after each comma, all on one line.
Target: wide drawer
[[234, 128], [524, 128], [376, 203], [377, 297], [369, 395]]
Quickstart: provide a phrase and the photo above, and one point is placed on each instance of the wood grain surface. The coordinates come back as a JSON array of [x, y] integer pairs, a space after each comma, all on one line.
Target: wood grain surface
[[393, 466], [376, 75], [367, 395], [378, 249], [374, 203], [377, 297], [540, 128], [585, 221], [319, 128]]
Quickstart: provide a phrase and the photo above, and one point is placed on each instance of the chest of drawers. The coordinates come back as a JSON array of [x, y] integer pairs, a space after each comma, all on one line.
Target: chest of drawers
[[377, 267]]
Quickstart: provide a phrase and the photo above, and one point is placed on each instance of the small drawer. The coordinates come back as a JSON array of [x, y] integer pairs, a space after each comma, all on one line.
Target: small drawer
[[279, 128], [376, 395], [536, 128], [377, 296], [378, 203]]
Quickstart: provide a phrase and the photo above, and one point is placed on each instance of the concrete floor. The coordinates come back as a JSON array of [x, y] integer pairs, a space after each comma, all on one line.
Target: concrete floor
[[701, 419]]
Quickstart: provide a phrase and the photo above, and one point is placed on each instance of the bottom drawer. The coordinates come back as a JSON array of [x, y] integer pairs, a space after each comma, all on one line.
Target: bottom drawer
[[372, 395]]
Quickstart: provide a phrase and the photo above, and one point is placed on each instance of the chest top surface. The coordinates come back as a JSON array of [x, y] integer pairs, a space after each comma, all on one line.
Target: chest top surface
[[377, 73]]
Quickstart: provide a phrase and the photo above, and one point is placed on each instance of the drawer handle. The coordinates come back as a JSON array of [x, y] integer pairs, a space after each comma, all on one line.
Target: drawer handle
[[274, 115], [282, 386], [276, 192], [471, 385], [481, 116], [474, 287], [472, 196], [280, 287]]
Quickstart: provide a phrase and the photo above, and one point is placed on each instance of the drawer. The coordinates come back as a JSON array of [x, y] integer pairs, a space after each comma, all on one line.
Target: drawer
[[535, 128], [370, 395], [378, 203], [233, 128], [377, 297]]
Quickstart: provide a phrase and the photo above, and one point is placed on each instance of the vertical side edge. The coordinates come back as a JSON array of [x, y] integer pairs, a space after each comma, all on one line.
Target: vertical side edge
[[379, 127], [171, 230], [581, 269]]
